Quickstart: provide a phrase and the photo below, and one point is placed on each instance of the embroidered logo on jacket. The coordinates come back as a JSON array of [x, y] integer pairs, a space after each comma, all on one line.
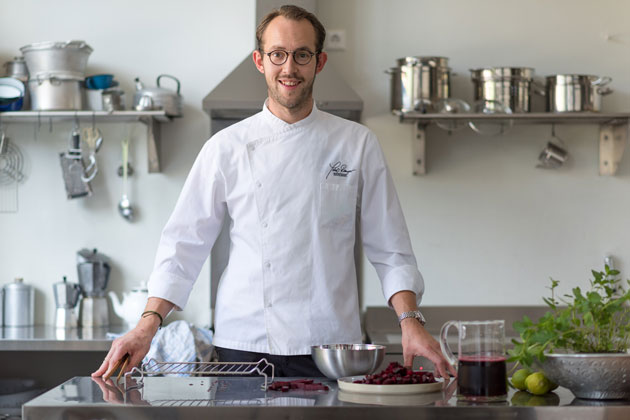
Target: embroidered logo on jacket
[[339, 169]]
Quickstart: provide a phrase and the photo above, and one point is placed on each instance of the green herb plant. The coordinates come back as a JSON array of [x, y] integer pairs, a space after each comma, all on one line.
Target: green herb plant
[[597, 321]]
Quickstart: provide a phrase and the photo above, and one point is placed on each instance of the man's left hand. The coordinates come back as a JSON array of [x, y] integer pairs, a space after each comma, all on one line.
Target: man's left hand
[[417, 341]]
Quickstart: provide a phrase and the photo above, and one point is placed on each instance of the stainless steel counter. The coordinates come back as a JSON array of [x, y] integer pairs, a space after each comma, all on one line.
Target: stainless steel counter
[[236, 398], [49, 338]]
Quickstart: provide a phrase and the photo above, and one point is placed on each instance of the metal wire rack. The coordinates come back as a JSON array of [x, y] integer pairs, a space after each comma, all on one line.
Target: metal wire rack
[[155, 368]]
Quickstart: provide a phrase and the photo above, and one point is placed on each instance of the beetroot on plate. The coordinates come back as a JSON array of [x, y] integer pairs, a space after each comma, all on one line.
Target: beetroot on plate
[[396, 374]]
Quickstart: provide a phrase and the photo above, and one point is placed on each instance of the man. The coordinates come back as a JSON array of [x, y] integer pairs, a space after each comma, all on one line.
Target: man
[[295, 181]]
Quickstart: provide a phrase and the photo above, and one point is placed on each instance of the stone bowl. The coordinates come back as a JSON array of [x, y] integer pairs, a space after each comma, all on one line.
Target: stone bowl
[[596, 376]]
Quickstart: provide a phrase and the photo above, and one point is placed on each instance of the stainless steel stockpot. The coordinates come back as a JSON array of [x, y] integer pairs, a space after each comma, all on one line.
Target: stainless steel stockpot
[[419, 82], [57, 59], [576, 92], [511, 86], [52, 93]]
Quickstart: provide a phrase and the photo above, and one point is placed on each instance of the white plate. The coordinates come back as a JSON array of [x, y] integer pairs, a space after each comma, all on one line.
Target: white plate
[[390, 399], [347, 384]]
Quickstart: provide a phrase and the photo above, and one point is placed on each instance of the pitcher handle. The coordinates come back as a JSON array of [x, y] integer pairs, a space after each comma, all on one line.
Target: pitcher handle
[[444, 344]]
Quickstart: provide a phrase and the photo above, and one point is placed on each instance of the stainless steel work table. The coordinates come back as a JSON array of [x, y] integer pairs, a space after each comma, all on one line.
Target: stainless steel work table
[[243, 398], [49, 338]]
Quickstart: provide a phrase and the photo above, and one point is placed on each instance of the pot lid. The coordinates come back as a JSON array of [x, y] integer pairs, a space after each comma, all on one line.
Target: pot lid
[[499, 73], [430, 61], [46, 45], [572, 78]]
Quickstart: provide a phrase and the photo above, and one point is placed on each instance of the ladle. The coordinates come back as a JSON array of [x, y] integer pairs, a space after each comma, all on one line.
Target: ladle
[[124, 206]]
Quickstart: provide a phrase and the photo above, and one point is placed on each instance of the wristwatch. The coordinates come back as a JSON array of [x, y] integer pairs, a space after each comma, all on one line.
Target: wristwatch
[[412, 314]]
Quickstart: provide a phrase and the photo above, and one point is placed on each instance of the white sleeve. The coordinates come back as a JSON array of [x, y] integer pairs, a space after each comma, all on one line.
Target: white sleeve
[[383, 229], [191, 230]]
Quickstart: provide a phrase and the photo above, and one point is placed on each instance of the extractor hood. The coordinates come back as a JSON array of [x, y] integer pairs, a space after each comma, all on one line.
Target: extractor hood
[[243, 92]]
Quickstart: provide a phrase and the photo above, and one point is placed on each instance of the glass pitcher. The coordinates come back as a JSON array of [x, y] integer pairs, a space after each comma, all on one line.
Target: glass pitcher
[[481, 368]]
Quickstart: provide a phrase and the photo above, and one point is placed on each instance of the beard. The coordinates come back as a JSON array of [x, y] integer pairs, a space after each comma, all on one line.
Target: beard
[[297, 99]]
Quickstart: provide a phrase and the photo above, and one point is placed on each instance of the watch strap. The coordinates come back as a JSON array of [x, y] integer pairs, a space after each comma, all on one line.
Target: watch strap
[[412, 314]]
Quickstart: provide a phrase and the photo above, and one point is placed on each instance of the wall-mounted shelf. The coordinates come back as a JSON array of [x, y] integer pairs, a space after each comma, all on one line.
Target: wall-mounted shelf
[[613, 131], [151, 119]]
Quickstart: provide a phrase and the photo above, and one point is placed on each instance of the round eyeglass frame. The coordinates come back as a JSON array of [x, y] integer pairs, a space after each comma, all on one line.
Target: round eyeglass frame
[[293, 53]]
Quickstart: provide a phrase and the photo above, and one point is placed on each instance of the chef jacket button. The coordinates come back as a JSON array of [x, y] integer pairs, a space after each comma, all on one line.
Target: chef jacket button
[[269, 305], [258, 184], [264, 224], [267, 264]]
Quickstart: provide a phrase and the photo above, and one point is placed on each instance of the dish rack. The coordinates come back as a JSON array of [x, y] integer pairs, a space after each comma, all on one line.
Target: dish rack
[[155, 368]]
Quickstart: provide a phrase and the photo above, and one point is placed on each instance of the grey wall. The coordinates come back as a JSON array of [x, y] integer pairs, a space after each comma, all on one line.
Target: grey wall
[[486, 225]]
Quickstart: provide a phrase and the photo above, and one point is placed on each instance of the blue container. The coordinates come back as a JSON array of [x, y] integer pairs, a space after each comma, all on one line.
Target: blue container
[[99, 81], [11, 105]]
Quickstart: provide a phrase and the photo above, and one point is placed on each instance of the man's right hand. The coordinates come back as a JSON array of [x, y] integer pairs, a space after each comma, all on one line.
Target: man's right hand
[[136, 342]]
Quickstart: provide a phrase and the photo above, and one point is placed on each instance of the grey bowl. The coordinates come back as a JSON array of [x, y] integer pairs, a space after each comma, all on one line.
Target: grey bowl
[[340, 360], [598, 376]]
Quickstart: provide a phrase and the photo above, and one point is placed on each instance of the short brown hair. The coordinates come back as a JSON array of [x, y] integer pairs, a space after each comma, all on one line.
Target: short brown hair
[[294, 13]]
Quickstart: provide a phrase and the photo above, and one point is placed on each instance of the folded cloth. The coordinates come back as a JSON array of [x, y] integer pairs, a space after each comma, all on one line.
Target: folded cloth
[[180, 341]]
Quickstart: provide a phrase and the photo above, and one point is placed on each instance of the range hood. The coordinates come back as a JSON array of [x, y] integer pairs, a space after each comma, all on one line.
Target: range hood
[[242, 93]]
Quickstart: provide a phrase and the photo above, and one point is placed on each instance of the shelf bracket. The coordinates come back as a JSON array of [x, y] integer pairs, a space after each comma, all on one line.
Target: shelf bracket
[[612, 142], [419, 149], [154, 136]]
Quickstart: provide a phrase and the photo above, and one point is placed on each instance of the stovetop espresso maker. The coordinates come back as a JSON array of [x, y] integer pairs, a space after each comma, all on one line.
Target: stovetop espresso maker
[[66, 298], [93, 269]]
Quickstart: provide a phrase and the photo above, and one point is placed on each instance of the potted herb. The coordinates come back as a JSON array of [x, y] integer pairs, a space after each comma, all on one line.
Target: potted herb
[[582, 342]]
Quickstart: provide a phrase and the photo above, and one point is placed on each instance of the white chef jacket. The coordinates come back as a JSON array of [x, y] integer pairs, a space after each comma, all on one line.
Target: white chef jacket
[[294, 193]]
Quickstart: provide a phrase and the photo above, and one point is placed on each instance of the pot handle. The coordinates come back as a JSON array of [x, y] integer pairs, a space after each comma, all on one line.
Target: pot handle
[[602, 81], [602, 90], [538, 89], [170, 77]]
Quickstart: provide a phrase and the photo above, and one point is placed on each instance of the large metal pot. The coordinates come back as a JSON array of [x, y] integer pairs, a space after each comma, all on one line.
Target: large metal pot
[[17, 69], [55, 94], [511, 86], [417, 83], [576, 92], [57, 59]]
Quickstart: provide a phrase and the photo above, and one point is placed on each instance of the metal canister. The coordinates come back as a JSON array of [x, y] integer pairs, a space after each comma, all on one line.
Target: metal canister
[[511, 86], [19, 304]]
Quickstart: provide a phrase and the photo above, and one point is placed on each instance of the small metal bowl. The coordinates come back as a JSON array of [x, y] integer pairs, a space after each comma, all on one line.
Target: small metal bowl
[[597, 376], [341, 360]]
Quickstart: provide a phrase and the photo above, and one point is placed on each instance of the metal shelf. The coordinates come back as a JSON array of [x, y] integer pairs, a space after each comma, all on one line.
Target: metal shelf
[[613, 131], [151, 119]]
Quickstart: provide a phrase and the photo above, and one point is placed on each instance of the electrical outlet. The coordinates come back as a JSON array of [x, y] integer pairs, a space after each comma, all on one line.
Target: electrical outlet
[[336, 40]]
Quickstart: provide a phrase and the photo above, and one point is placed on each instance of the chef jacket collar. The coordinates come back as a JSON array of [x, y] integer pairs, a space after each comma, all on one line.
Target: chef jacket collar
[[278, 124]]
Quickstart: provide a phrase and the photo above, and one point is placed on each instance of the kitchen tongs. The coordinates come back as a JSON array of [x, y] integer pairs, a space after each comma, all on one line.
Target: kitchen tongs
[[123, 362]]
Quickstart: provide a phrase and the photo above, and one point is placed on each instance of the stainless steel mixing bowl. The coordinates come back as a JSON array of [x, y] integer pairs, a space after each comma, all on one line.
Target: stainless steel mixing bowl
[[591, 375], [340, 360]]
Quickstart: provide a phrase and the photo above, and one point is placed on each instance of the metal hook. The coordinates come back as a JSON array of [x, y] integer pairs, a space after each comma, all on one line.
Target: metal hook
[[553, 130], [93, 121]]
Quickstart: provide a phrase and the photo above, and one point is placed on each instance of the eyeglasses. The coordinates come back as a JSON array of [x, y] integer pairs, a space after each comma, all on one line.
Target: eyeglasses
[[279, 57]]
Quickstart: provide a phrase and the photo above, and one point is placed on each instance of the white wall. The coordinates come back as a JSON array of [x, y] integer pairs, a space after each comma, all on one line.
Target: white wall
[[199, 42], [487, 226]]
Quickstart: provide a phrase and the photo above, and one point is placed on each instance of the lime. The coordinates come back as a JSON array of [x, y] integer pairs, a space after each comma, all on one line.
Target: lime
[[537, 383], [518, 379]]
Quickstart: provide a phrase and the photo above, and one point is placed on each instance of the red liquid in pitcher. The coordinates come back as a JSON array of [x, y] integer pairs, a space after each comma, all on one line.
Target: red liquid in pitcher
[[482, 378]]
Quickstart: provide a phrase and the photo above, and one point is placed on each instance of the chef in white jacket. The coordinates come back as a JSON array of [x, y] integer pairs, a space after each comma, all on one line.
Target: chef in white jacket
[[297, 184]]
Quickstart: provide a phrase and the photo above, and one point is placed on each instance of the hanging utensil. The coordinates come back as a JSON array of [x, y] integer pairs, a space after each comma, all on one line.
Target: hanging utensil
[[124, 206], [73, 168], [553, 155]]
